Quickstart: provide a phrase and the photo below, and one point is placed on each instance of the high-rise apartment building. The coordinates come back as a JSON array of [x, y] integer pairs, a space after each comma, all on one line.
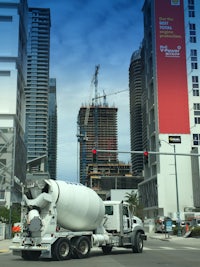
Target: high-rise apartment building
[[13, 28], [37, 89], [135, 93], [170, 107], [52, 148]]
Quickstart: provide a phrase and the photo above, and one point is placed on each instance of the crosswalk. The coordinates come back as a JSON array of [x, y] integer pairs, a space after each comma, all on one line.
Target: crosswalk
[[170, 248], [155, 248]]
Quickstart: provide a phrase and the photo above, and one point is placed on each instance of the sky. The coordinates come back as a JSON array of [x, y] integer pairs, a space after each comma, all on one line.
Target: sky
[[86, 33]]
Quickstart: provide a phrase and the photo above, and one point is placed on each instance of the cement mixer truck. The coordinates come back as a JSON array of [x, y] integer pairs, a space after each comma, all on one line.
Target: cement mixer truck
[[62, 220]]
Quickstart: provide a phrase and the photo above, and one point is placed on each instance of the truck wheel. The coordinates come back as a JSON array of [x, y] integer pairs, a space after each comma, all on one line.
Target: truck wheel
[[82, 247], [137, 244], [61, 250], [106, 249], [31, 255]]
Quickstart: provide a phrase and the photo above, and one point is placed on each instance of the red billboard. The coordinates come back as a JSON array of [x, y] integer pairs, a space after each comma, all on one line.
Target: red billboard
[[171, 70]]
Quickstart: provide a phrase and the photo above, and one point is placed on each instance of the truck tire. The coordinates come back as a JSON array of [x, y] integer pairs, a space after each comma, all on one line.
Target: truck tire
[[61, 250], [31, 255], [107, 249], [82, 248], [137, 243]]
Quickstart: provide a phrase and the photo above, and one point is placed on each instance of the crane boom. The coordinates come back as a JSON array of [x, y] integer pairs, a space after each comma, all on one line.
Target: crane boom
[[94, 82], [105, 95]]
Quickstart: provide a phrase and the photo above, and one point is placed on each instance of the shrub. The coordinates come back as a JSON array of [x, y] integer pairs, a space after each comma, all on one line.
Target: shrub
[[195, 231]]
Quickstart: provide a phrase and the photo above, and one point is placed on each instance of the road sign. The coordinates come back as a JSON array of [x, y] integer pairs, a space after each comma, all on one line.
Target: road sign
[[168, 225]]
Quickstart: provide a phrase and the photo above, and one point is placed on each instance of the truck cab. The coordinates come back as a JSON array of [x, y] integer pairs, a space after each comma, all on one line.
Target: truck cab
[[119, 218]]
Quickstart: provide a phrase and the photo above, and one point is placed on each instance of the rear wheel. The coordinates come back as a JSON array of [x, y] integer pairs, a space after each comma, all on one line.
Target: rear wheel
[[137, 244], [82, 247], [61, 249]]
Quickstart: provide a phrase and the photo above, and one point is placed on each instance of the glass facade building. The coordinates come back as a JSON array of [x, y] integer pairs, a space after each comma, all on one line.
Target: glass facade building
[[13, 28], [37, 88], [52, 147]]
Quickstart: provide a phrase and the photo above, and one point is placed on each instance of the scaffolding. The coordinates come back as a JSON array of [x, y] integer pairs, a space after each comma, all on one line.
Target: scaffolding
[[7, 152]]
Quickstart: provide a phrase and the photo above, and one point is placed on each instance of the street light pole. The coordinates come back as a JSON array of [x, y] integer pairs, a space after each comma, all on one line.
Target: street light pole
[[177, 194]]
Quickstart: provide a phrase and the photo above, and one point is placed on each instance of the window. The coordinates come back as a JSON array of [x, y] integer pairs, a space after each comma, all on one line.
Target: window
[[196, 139], [4, 73], [195, 92], [194, 65], [191, 8], [196, 107], [193, 55], [191, 14], [195, 85], [125, 211], [193, 39], [2, 194], [190, 2], [109, 210], [192, 26], [192, 30], [195, 79], [5, 18]]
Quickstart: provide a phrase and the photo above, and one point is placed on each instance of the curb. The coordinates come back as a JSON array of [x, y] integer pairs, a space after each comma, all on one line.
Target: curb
[[160, 238]]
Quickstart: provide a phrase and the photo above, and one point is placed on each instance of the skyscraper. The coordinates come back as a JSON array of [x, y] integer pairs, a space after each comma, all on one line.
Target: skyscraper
[[171, 107], [13, 28], [52, 147], [37, 88], [135, 93]]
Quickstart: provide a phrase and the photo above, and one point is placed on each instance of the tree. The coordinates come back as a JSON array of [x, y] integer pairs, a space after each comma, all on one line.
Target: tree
[[135, 207], [15, 214]]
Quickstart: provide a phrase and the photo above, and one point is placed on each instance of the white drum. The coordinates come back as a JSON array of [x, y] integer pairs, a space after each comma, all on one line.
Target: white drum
[[78, 207]]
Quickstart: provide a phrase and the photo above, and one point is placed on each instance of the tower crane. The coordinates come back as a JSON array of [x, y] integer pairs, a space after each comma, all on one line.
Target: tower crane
[[82, 136], [105, 95]]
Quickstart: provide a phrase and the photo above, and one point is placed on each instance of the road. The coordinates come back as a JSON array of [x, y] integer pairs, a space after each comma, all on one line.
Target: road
[[156, 253]]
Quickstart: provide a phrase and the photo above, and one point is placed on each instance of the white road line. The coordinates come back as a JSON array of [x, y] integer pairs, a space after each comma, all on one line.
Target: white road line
[[151, 248], [167, 248], [191, 248]]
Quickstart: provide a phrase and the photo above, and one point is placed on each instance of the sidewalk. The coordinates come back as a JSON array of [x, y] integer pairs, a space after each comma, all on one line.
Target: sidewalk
[[173, 238], [4, 245]]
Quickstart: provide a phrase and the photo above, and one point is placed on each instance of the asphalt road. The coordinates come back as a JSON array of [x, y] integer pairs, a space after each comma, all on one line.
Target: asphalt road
[[157, 252]]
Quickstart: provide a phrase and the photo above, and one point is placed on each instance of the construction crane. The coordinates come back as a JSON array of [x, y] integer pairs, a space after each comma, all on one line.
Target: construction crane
[[82, 136], [95, 83], [105, 95]]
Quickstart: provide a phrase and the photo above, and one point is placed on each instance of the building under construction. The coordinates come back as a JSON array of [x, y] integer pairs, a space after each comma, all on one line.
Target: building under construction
[[100, 132], [97, 131]]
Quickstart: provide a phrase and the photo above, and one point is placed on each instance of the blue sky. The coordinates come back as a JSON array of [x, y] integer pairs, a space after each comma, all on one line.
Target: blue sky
[[85, 33]]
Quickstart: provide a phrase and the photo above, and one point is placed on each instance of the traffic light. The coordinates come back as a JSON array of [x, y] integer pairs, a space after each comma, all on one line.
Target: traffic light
[[94, 155], [146, 157]]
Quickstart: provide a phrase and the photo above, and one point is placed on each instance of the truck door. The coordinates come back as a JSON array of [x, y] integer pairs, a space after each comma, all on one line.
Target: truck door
[[126, 219]]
